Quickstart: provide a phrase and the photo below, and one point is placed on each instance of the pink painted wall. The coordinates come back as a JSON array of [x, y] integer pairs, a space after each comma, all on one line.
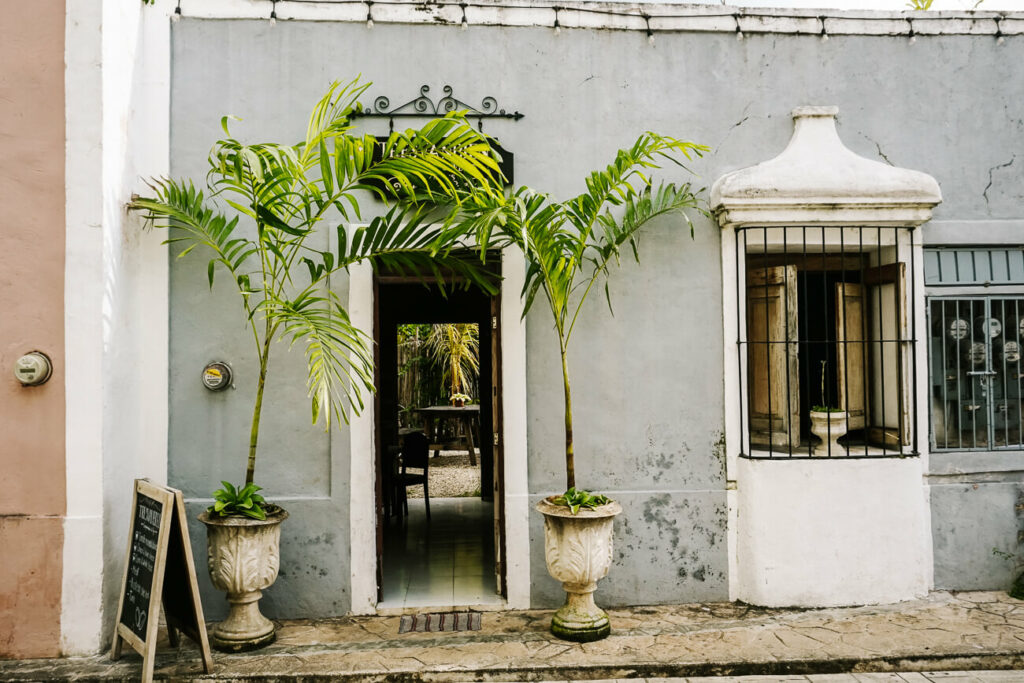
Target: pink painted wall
[[32, 469]]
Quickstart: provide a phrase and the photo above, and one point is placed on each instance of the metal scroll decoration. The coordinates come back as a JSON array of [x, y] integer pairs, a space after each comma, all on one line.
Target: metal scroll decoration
[[424, 106]]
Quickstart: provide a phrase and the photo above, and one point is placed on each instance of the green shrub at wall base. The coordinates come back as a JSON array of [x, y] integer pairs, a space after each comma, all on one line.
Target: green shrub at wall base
[[1017, 591]]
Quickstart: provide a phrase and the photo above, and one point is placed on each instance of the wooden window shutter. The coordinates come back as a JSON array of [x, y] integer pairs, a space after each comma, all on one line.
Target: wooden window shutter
[[851, 359], [890, 379], [773, 368]]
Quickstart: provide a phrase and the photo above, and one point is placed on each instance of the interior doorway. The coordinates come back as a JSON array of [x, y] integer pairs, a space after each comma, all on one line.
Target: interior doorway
[[440, 506]]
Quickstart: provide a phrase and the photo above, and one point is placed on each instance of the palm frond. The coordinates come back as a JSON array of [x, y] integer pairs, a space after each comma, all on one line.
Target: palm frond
[[338, 360], [456, 348], [179, 207]]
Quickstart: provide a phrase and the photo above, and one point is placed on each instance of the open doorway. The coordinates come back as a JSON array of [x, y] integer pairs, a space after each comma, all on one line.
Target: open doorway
[[439, 494]]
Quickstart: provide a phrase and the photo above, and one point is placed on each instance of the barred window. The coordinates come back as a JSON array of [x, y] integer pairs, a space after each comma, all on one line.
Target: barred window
[[974, 347], [827, 353]]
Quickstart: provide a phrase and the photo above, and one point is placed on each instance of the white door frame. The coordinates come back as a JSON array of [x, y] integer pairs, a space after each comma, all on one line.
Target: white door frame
[[362, 489]]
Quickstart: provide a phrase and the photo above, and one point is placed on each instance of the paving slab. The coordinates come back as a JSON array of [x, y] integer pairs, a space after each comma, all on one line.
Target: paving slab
[[900, 643]]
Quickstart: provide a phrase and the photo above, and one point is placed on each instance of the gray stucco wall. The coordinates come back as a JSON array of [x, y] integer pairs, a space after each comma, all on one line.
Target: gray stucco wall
[[648, 382]]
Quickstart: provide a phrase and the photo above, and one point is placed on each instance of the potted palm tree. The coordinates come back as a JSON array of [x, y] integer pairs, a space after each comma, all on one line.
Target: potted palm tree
[[569, 246], [279, 195]]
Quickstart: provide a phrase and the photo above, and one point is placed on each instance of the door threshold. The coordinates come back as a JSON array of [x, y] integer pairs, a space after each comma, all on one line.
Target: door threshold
[[386, 610]]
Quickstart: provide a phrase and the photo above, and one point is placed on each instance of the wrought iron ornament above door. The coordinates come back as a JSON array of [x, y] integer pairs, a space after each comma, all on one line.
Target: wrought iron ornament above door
[[424, 106]]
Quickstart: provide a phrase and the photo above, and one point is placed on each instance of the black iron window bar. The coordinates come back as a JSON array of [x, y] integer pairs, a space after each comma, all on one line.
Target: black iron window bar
[[976, 379], [807, 315]]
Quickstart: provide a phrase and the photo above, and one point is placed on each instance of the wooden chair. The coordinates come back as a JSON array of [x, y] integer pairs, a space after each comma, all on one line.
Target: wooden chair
[[393, 493], [415, 454]]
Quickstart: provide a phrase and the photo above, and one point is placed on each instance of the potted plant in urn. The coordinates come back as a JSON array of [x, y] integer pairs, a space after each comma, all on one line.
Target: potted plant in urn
[[280, 195], [568, 247], [827, 423]]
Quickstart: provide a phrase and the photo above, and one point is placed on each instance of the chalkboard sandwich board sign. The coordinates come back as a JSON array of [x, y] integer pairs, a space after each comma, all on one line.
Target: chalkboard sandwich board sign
[[158, 570]]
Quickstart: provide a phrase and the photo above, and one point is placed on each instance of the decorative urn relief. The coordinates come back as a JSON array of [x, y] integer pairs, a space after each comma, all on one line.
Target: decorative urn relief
[[243, 557], [829, 427], [578, 551]]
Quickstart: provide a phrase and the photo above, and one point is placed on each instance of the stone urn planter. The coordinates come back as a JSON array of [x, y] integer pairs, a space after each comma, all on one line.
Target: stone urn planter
[[829, 427], [244, 556], [578, 550]]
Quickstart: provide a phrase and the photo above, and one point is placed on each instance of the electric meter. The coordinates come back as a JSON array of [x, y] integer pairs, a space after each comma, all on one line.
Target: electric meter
[[217, 376], [33, 369]]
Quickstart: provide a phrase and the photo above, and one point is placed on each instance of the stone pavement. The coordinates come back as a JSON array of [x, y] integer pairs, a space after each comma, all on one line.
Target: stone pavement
[[943, 632]]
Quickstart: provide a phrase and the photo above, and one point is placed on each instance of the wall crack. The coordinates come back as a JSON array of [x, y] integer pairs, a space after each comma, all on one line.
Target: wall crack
[[993, 170]]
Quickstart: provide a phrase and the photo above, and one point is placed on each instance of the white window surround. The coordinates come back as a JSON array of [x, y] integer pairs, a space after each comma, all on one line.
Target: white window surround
[[817, 181]]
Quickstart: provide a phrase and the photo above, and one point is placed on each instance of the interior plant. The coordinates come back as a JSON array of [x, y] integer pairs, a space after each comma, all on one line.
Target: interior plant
[[569, 247], [456, 348], [253, 220], [828, 423]]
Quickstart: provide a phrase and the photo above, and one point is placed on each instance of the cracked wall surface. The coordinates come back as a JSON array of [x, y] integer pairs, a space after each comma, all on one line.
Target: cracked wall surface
[[648, 387]]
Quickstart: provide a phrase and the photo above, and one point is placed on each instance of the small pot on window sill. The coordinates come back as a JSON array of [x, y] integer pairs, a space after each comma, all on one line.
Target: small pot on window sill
[[829, 426]]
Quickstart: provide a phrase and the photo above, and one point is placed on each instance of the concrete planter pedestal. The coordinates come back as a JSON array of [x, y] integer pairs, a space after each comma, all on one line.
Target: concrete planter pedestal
[[578, 551], [244, 557], [829, 427]]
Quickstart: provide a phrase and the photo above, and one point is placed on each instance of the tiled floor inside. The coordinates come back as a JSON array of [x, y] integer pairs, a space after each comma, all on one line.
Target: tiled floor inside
[[444, 562]]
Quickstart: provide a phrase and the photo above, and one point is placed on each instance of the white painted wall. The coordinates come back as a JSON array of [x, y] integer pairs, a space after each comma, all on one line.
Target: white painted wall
[[81, 597], [513, 406], [362, 488], [117, 90], [828, 533]]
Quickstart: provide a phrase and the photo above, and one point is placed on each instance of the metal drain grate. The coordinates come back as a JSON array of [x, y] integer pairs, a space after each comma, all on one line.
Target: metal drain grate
[[440, 621]]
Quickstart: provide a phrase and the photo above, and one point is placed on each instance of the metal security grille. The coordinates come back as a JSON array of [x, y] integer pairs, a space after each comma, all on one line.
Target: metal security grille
[[945, 267], [974, 348], [827, 356]]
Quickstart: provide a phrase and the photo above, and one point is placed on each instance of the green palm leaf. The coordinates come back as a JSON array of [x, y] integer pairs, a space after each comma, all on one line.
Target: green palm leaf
[[338, 360], [569, 245], [288, 190]]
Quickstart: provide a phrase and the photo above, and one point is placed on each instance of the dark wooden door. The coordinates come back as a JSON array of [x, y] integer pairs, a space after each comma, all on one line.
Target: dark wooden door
[[498, 477]]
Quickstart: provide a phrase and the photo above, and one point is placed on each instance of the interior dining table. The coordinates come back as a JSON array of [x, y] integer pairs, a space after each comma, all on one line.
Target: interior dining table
[[469, 416]]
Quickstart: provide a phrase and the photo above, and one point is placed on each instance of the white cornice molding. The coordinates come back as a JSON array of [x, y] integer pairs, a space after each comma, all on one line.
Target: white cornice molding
[[817, 180], [576, 14]]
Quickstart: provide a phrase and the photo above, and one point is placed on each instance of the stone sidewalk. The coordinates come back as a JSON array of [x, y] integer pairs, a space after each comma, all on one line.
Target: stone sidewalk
[[945, 631]]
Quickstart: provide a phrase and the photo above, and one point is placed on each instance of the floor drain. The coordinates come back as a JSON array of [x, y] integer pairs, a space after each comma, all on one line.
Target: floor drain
[[440, 621]]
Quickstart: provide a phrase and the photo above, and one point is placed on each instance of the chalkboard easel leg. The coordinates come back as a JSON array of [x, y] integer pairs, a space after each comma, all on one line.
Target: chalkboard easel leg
[[115, 649], [148, 663]]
